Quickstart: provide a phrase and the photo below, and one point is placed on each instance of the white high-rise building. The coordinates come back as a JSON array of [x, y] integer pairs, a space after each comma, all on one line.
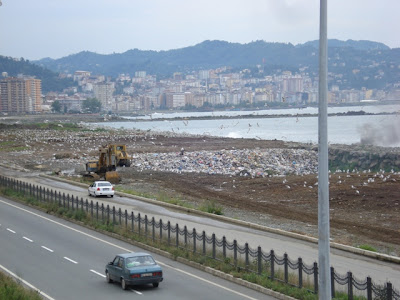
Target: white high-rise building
[[103, 92]]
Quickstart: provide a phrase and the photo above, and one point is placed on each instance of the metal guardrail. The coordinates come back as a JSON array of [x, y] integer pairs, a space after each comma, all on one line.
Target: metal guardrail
[[242, 257]]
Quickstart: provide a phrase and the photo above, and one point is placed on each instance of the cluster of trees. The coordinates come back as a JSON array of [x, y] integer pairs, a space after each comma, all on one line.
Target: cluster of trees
[[90, 105]]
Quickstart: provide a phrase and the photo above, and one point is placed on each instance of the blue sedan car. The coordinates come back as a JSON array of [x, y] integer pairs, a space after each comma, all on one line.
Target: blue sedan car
[[134, 269]]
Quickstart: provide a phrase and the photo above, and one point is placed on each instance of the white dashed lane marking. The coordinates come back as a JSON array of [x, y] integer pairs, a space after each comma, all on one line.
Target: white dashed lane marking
[[97, 273], [10, 230], [29, 240], [74, 262], [137, 292], [48, 249]]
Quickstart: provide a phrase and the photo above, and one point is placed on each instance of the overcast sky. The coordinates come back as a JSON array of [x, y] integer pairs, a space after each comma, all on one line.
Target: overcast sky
[[35, 29]]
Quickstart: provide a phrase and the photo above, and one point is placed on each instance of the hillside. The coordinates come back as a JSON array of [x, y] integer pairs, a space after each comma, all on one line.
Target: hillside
[[50, 79], [360, 63]]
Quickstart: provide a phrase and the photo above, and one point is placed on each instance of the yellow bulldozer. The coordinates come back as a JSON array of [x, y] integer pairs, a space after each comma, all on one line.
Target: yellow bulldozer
[[110, 157]]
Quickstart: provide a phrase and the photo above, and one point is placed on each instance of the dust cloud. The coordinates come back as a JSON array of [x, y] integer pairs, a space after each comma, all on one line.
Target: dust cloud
[[385, 135]]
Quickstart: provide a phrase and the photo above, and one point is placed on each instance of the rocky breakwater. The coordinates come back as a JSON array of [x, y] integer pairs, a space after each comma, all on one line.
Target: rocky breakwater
[[364, 158]]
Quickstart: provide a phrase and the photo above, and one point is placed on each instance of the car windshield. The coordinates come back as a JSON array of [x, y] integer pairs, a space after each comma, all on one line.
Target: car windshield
[[104, 184], [138, 261]]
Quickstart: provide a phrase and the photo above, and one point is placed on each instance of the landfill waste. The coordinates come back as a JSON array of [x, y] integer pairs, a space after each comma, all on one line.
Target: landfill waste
[[244, 162]]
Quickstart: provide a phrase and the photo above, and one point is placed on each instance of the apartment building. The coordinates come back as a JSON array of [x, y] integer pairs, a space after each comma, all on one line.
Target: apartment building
[[103, 91], [20, 95]]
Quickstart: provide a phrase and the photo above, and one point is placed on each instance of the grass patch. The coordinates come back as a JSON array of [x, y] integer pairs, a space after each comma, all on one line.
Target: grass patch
[[367, 247], [211, 207], [12, 290]]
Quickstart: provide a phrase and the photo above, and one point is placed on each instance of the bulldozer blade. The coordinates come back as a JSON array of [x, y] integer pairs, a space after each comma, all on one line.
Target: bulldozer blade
[[113, 177]]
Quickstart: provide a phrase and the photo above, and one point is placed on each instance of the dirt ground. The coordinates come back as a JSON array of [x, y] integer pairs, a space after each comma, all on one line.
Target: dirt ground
[[364, 206]]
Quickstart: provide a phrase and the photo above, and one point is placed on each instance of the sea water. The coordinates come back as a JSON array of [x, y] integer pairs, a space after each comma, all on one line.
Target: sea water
[[379, 130]]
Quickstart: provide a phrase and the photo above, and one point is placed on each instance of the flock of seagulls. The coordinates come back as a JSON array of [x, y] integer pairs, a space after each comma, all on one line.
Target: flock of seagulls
[[372, 178]]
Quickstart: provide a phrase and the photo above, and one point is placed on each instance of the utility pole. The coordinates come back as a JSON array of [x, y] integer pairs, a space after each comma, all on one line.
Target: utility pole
[[324, 289]]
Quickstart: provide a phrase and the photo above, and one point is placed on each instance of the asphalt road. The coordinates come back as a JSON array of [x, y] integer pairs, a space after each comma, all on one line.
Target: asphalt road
[[66, 261]]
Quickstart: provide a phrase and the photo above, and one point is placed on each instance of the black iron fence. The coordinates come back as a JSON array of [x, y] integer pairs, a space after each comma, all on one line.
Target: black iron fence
[[242, 257]]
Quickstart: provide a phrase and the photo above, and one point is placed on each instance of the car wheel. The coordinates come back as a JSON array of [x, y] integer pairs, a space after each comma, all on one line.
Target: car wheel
[[123, 284], [89, 194], [108, 279], [112, 196], [94, 194], [155, 284]]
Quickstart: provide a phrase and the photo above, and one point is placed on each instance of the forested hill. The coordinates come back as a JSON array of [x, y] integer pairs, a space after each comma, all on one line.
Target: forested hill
[[50, 79]]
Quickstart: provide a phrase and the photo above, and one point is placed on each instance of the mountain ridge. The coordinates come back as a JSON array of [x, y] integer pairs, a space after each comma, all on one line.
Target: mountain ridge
[[207, 54]]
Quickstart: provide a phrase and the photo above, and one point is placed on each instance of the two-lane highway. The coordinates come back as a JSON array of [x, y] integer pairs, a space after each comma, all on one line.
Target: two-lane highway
[[66, 261]]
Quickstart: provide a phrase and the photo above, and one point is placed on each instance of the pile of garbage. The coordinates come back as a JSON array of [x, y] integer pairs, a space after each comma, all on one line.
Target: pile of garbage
[[244, 162]]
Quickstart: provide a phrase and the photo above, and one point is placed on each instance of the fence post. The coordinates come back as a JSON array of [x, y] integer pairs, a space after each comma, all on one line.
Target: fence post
[[145, 226], [194, 240], [177, 235], [235, 252], [259, 254], [119, 216], [204, 242], [133, 222], [285, 260], [126, 219], [154, 230], [332, 282], [108, 214], [224, 246], [161, 230], [350, 285], [139, 221], [389, 291], [369, 288], [272, 264], [246, 247], [213, 246], [113, 215], [72, 202], [169, 232], [300, 272], [185, 235], [315, 278]]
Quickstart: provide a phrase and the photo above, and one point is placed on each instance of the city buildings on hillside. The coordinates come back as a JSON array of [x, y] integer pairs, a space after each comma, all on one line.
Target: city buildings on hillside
[[203, 89]]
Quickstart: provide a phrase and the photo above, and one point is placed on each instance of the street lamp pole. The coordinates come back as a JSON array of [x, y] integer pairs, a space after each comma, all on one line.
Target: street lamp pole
[[323, 167]]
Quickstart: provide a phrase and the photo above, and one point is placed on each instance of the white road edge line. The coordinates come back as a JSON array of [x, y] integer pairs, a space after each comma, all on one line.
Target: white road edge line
[[10, 230], [48, 249], [25, 238], [127, 250], [74, 262], [26, 283], [95, 272]]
